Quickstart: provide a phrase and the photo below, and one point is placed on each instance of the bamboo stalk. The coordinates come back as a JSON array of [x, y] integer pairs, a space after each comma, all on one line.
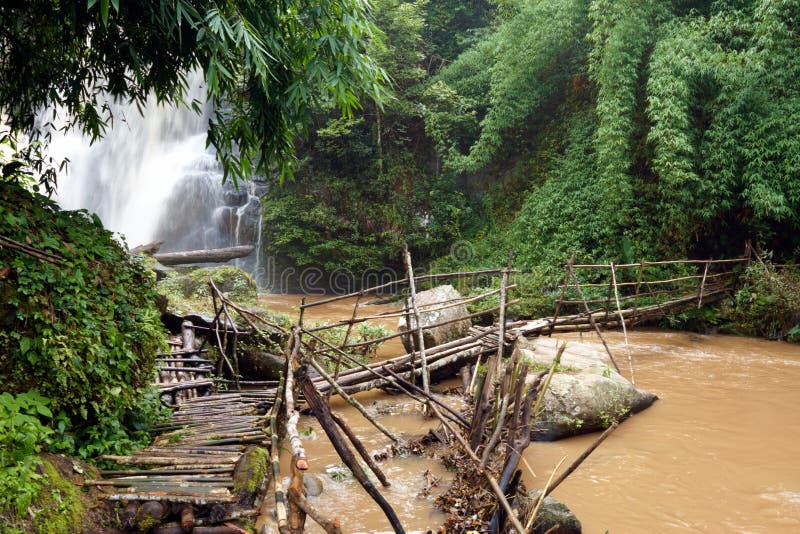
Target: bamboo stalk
[[579, 460], [323, 415], [427, 308], [665, 262], [458, 418], [492, 482], [280, 500], [330, 527], [360, 449], [539, 501], [591, 319], [292, 415], [423, 278], [622, 320], [409, 332], [353, 402], [417, 318], [702, 286], [344, 342]]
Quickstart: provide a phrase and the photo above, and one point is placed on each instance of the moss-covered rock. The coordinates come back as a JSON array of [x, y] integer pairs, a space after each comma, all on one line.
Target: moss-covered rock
[[585, 394], [193, 284], [61, 507], [250, 474], [553, 517]]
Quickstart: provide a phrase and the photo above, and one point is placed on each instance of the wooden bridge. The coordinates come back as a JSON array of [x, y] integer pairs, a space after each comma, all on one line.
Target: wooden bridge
[[190, 471], [615, 296]]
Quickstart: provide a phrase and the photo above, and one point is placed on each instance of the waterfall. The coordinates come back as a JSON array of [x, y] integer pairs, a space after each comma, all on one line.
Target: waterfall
[[152, 178]]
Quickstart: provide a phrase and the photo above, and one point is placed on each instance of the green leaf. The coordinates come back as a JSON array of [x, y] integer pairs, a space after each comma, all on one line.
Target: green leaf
[[104, 11]]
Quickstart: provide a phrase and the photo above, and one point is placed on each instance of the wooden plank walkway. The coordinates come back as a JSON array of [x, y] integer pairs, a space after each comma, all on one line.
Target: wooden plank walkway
[[193, 460]]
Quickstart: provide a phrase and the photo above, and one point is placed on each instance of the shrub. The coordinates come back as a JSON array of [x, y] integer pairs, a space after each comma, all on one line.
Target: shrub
[[83, 329], [768, 303], [22, 436], [228, 278]]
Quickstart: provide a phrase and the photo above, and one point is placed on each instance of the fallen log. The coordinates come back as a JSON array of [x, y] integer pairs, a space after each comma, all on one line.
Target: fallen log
[[212, 255]]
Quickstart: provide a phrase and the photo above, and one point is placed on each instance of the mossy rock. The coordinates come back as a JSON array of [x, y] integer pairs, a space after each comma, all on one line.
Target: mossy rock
[[60, 507], [250, 474], [229, 279], [553, 514]]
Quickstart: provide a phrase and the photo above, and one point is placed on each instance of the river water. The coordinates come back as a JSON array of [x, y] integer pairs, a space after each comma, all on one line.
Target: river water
[[716, 453]]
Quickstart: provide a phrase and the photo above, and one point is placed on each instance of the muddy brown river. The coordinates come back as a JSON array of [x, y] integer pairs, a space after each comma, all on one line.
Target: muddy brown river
[[717, 453]]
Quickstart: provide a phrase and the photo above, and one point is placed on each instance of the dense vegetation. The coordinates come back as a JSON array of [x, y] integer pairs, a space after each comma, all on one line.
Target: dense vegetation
[[78, 335], [614, 129]]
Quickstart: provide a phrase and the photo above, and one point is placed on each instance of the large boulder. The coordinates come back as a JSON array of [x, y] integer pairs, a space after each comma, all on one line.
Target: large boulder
[[553, 516], [456, 317], [586, 394]]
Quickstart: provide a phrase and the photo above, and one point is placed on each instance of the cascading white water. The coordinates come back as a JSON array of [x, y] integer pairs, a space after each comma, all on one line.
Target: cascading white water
[[152, 178]]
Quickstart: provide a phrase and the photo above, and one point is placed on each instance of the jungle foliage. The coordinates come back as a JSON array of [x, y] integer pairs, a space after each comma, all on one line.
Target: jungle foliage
[[78, 333], [648, 129], [369, 183], [617, 130], [266, 65]]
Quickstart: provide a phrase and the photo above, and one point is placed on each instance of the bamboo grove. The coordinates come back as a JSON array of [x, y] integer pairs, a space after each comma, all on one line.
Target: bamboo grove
[[617, 129]]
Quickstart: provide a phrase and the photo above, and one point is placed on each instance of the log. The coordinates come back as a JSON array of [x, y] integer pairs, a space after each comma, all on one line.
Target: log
[[323, 414], [150, 514], [330, 527], [127, 518], [212, 255], [419, 329], [362, 451], [187, 518]]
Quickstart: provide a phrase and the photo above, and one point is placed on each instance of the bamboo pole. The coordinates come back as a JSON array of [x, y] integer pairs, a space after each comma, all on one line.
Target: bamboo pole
[[501, 333], [423, 278], [420, 334], [281, 511], [323, 415], [492, 482], [563, 294], [622, 320], [702, 286], [458, 418], [411, 332], [330, 527], [667, 281], [360, 449], [292, 415], [664, 262], [352, 401], [591, 319], [344, 342], [579, 460]]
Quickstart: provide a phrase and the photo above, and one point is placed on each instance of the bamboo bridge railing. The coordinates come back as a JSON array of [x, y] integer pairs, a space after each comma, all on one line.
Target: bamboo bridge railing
[[193, 460]]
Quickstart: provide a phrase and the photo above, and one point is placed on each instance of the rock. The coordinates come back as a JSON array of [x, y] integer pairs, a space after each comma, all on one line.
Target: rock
[[585, 395], [257, 364], [551, 513], [577, 356], [442, 334], [587, 401], [233, 281], [313, 485], [249, 475]]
